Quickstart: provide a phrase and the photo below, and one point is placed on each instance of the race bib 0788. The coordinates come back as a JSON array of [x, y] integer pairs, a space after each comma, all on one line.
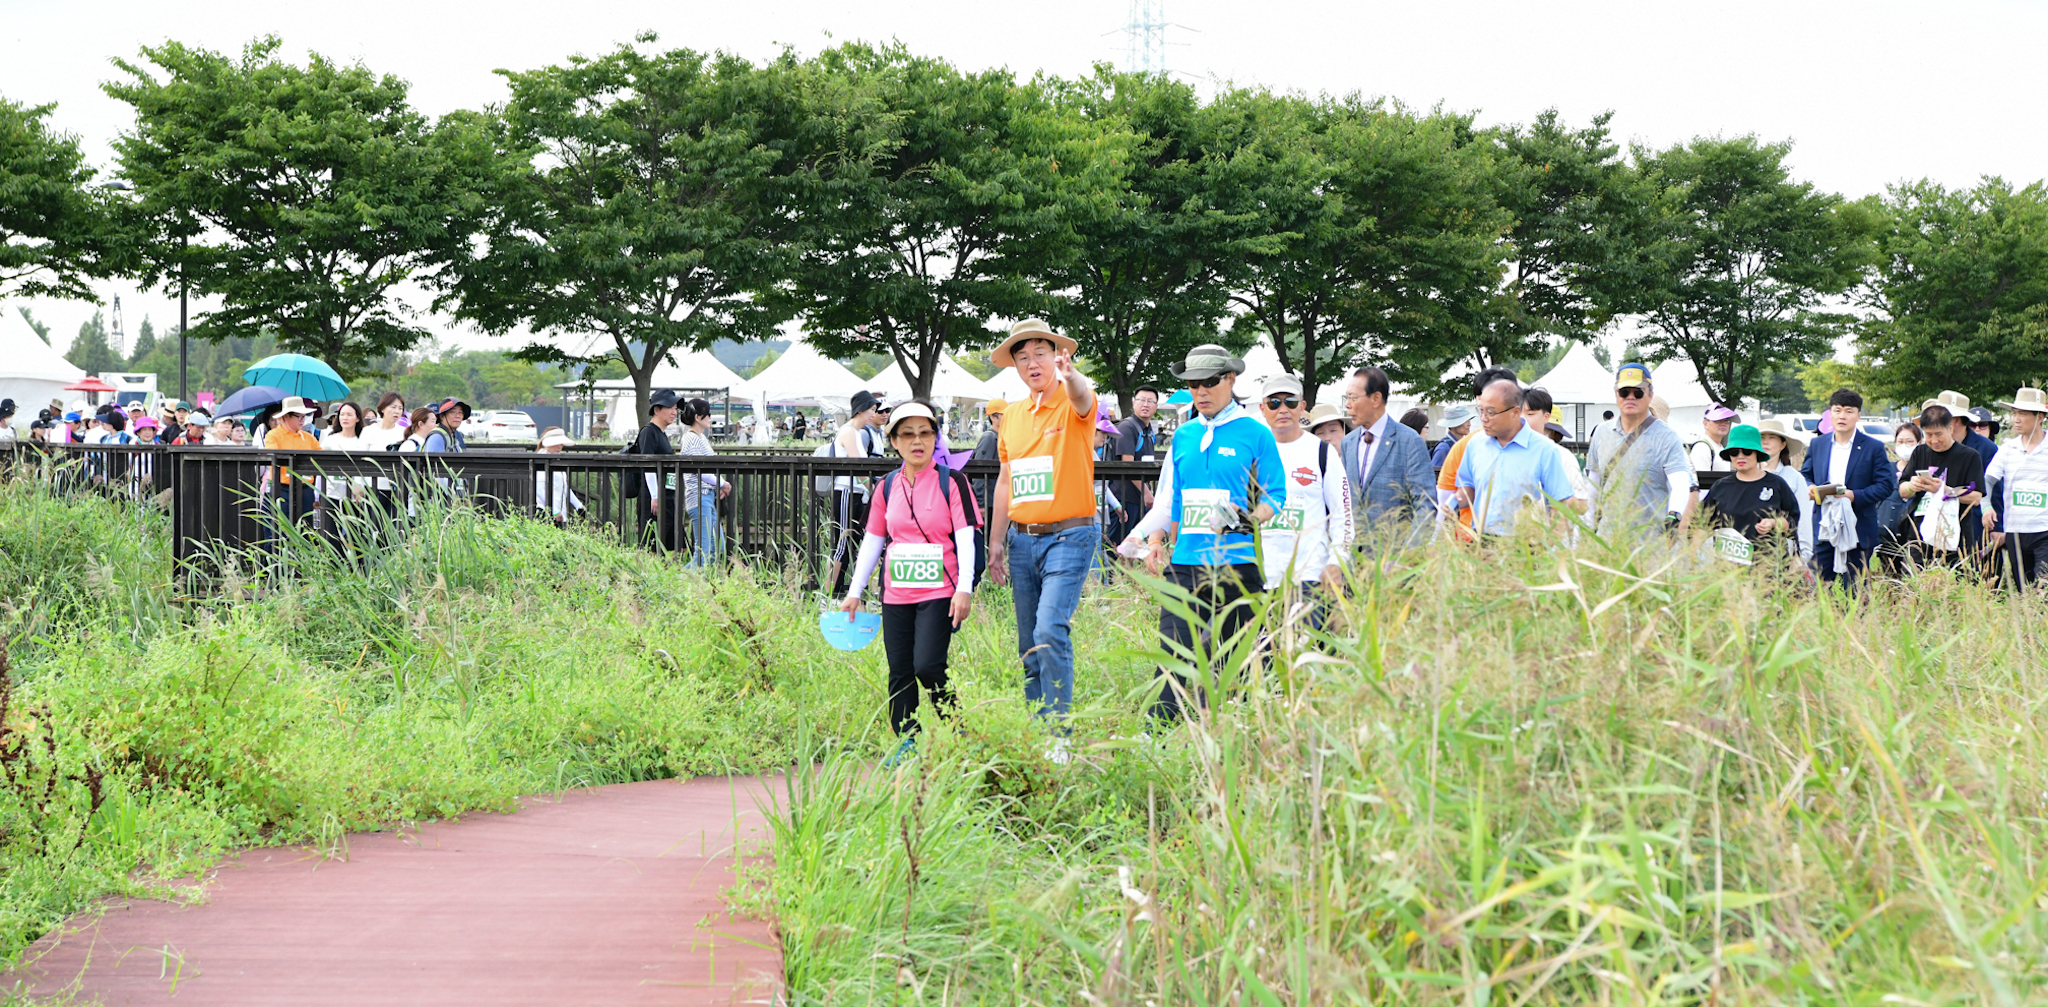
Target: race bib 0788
[[917, 565], [1031, 479]]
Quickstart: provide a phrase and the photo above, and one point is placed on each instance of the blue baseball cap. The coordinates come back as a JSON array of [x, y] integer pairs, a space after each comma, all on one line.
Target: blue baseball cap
[[1631, 375], [72, 417]]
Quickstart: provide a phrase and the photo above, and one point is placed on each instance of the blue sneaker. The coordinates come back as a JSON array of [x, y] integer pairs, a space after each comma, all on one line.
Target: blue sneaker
[[904, 750]]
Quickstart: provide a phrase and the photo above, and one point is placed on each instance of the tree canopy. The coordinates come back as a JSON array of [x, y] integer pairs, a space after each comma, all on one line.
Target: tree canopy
[[55, 233]]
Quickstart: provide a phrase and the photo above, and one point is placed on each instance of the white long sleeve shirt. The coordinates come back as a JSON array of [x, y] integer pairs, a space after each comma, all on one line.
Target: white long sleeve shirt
[[1315, 524], [2023, 506]]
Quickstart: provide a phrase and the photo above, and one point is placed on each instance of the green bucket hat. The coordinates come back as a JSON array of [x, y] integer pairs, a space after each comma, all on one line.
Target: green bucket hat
[[1744, 438]]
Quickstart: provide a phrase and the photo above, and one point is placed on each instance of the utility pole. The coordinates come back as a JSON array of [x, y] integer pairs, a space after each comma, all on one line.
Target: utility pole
[[184, 366]]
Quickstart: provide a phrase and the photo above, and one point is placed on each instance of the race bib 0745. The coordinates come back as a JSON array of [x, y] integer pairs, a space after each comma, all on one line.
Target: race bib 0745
[[917, 565], [1196, 508], [1031, 479], [1291, 518]]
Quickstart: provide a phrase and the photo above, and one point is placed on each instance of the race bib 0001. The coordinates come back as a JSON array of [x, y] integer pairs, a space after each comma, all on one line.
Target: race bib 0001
[[917, 565], [1031, 479], [1196, 507], [1730, 545]]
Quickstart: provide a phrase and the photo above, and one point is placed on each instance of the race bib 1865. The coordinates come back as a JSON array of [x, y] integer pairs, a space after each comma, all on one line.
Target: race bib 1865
[[1196, 507], [917, 565], [1031, 479], [1730, 545]]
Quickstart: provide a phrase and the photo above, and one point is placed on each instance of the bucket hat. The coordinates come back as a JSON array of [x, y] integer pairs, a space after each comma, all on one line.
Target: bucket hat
[[1795, 447], [555, 438], [1029, 328], [1458, 416], [1743, 438], [1207, 361], [451, 402], [1955, 402], [294, 405], [2032, 400], [1325, 413]]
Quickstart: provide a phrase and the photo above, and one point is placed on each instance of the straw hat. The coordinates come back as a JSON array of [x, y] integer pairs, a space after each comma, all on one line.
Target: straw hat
[[1030, 328], [2032, 400], [1795, 447], [1324, 413], [1955, 402]]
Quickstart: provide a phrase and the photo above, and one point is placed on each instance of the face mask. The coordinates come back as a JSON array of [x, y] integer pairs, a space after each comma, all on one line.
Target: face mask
[[1904, 449]]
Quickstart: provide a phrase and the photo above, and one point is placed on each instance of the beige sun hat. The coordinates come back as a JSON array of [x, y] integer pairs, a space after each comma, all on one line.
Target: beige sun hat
[[295, 404], [1030, 328], [1795, 446], [1955, 402], [1321, 414], [2032, 400]]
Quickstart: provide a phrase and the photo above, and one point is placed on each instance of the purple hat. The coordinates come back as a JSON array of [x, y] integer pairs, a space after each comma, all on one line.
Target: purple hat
[[1718, 412], [146, 423], [1102, 420]]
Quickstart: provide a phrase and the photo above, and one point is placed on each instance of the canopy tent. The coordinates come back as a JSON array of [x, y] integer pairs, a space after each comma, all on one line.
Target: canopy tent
[[801, 374], [32, 372], [1580, 388], [698, 371], [951, 384], [1006, 385]]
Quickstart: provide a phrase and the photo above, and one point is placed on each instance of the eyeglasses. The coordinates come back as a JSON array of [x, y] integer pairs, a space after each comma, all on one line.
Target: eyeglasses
[[1631, 392], [1283, 401], [1487, 414], [914, 435], [1205, 382]]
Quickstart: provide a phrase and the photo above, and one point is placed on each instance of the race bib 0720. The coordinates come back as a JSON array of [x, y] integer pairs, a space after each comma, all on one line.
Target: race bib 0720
[[1197, 507], [917, 565], [1031, 479]]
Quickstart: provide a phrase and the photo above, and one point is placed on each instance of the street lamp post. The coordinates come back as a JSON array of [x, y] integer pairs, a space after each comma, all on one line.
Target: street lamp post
[[184, 341]]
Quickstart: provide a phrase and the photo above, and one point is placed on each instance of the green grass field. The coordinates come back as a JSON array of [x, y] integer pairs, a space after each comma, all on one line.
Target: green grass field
[[1529, 777]]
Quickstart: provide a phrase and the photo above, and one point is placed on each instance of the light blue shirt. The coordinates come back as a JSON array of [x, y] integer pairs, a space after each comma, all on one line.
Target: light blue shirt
[[1502, 477]]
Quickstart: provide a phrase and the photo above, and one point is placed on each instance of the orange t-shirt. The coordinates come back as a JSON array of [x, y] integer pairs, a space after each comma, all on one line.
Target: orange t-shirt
[[1050, 449], [1448, 478], [281, 439]]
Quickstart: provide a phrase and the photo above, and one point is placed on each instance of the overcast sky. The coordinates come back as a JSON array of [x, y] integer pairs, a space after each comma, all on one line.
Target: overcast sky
[[1871, 92]]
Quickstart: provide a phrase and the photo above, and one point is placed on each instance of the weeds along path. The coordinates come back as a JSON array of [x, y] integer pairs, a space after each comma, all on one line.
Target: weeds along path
[[609, 895]]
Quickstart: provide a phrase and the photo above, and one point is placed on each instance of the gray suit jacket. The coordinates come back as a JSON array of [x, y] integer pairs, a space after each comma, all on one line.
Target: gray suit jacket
[[1396, 502]]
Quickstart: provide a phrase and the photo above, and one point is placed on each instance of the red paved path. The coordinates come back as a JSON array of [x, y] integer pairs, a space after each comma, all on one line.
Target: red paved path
[[607, 896]]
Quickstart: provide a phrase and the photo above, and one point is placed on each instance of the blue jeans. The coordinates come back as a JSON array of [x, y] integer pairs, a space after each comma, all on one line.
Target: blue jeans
[[708, 536], [1047, 573]]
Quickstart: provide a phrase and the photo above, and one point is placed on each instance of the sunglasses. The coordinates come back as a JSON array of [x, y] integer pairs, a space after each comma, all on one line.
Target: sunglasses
[[1205, 382], [1631, 392], [1283, 401]]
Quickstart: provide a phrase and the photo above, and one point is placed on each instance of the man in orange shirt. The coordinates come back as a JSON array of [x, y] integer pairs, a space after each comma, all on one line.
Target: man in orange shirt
[[290, 434], [1042, 531]]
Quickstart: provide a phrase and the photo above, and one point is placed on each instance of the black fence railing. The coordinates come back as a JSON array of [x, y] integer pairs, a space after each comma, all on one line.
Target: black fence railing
[[227, 501]]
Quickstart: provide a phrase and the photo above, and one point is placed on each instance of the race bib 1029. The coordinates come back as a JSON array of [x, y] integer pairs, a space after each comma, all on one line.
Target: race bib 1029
[[1031, 479], [917, 565], [2030, 496]]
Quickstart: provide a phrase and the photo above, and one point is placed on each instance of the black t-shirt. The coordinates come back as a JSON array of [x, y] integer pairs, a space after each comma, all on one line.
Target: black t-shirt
[[1732, 503], [1961, 469], [652, 441], [1134, 437]]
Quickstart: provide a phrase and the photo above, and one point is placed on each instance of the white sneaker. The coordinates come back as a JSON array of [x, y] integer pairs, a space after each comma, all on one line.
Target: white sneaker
[[1059, 753]]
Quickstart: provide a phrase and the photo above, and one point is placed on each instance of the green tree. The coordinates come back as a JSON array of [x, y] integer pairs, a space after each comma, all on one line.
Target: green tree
[[89, 351], [309, 193], [433, 380], [42, 328], [1743, 260], [645, 209], [1386, 239], [1150, 277], [761, 363], [938, 200], [1961, 293], [145, 340], [55, 231]]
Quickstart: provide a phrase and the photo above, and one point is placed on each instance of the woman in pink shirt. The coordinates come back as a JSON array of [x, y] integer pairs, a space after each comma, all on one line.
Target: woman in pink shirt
[[922, 516]]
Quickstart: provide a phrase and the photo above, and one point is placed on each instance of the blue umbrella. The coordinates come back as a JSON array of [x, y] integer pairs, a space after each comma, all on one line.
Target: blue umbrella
[[299, 375], [249, 400], [1180, 397]]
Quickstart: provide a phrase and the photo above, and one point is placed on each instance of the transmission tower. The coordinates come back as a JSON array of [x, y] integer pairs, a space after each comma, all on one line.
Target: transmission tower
[[1145, 37], [118, 340]]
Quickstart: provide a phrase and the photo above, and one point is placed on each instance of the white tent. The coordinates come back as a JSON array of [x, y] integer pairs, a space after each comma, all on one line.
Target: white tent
[[1581, 389], [951, 384], [802, 374], [32, 372], [696, 371], [1006, 385]]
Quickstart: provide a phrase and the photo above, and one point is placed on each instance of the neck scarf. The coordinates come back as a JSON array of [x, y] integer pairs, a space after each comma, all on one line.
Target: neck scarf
[[1230, 411]]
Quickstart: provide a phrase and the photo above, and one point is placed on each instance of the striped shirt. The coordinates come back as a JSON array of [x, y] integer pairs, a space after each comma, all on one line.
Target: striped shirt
[[2022, 506]]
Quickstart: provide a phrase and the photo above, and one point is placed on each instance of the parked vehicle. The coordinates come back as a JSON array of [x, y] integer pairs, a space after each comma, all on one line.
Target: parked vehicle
[[501, 425]]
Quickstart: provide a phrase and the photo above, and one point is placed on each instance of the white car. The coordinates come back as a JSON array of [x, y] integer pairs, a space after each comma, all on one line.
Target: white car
[[501, 425]]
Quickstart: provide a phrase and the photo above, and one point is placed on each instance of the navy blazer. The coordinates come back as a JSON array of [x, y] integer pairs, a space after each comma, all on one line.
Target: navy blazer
[[1401, 487], [1870, 479]]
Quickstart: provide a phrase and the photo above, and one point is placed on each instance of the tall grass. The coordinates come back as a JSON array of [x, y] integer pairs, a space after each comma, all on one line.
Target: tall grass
[[1515, 777]]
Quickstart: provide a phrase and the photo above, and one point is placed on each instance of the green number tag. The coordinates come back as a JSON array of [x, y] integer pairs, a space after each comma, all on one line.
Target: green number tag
[[2031, 496], [1290, 518], [1031, 479], [1731, 546], [916, 565], [1196, 507]]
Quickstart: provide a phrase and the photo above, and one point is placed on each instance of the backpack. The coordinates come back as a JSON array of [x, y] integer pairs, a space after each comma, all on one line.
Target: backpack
[[954, 478], [822, 485]]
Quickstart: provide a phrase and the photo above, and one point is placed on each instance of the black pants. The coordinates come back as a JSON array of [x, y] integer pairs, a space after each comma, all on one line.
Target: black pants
[[2023, 558], [1216, 590], [659, 531], [916, 638]]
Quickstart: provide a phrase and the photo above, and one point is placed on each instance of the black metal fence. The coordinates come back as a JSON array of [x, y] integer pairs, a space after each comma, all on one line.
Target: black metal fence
[[779, 509]]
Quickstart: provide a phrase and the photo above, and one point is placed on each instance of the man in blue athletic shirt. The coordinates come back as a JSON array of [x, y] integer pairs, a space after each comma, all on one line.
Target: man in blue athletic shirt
[[1223, 478]]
